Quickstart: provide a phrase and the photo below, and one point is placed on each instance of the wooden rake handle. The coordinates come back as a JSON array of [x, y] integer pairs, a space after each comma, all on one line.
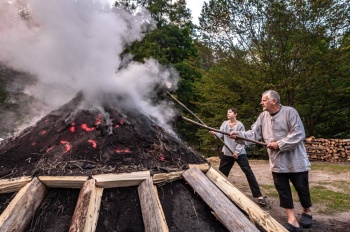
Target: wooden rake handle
[[221, 132]]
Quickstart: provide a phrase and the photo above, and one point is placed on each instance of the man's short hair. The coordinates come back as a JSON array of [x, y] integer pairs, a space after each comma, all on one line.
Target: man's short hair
[[272, 94]]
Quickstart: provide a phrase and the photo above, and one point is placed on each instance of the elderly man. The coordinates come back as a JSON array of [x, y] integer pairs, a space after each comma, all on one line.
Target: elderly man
[[283, 132]]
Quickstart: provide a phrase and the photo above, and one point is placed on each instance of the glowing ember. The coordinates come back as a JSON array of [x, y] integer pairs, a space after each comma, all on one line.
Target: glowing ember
[[98, 121], [162, 158], [116, 126], [72, 129], [33, 144], [86, 128], [68, 146], [126, 150], [49, 149], [121, 121], [92, 142], [43, 132]]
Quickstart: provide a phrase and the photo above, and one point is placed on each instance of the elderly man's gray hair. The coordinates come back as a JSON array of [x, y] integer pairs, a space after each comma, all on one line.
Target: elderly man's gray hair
[[272, 94]]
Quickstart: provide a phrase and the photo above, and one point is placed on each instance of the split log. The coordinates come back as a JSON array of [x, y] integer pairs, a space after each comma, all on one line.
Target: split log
[[167, 177], [87, 209], [121, 180], [75, 182], [203, 167], [22, 208], [255, 213], [230, 216], [172, 176], [151, 209], [14, 184]]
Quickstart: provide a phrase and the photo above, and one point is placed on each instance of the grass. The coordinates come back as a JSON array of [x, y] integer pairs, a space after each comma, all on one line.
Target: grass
[[329, 200], [334, 202], [336, 168]]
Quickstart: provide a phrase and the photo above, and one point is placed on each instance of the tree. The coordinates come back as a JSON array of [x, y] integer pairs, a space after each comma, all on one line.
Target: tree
[[298, 48], [172, 45]]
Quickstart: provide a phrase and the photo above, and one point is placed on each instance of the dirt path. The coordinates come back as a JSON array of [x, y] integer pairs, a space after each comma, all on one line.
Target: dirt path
[[321, 221]]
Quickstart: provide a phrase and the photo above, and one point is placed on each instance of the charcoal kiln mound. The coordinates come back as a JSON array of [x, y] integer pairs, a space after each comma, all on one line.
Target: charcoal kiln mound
[[70, 141]]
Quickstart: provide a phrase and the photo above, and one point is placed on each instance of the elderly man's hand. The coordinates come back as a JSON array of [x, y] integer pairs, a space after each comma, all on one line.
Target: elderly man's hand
[[233, 134], [273, 146]]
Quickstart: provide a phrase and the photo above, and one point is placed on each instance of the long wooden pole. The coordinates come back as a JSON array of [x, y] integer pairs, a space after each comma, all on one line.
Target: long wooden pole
[[222, 132], [194, 115]]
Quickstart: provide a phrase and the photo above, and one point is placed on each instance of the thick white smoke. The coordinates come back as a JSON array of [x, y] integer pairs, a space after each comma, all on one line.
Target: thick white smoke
[[73, 45]]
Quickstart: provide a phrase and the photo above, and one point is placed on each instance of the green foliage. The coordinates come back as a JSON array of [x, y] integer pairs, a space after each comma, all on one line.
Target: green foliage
[[171, 44], [299, 48]]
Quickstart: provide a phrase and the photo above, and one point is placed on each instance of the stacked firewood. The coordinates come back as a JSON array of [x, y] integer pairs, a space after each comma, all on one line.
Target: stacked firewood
[[331, 150]]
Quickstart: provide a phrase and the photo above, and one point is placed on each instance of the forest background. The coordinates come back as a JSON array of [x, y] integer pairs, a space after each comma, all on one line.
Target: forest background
[[242, 48]]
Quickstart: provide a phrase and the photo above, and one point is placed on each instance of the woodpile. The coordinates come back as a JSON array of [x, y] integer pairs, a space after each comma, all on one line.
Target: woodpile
[[330, 150]]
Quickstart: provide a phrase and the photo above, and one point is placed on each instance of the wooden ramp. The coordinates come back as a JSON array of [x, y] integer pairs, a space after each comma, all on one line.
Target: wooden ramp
[[220, 195]]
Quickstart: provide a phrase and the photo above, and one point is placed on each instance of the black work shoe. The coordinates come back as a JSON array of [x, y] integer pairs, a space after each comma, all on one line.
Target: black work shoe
[[292, 228], [305, 220]]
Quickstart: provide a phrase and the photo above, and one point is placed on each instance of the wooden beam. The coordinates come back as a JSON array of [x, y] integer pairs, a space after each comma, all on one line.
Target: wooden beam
[[121, 180], [87, 208], [254, 211], [151, 212], [93, 210], [22, 208], [14, 184], [230, 216], [203, 167], [172, 176], [75, 182], [167, 177]]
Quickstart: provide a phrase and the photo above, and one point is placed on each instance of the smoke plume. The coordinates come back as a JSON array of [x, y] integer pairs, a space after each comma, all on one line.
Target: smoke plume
[[76, 45]]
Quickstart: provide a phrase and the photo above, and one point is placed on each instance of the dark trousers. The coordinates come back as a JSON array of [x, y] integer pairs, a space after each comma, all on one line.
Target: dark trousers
[[227, 162], [300, 181]]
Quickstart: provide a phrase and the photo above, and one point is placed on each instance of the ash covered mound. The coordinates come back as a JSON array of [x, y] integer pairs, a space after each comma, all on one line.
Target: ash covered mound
[[70, 141]]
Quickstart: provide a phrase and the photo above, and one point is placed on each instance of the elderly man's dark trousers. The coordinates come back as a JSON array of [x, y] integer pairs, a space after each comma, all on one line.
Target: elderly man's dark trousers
[[300, 181]]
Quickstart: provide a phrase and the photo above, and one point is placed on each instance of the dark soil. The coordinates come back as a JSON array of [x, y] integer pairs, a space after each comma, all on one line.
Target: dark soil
[[55, 212]]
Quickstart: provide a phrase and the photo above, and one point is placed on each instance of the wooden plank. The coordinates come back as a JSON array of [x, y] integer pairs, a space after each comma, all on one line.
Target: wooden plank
[[172, 176], [87, 208], [230, 216], [93, 210], [151, 213], [121, 179], [167, 177], [22, 208], [254, 211], [75, 182], [14, 184], [203, 167]]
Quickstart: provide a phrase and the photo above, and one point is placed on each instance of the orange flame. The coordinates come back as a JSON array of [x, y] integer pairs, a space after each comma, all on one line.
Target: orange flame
[[92, 142]]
